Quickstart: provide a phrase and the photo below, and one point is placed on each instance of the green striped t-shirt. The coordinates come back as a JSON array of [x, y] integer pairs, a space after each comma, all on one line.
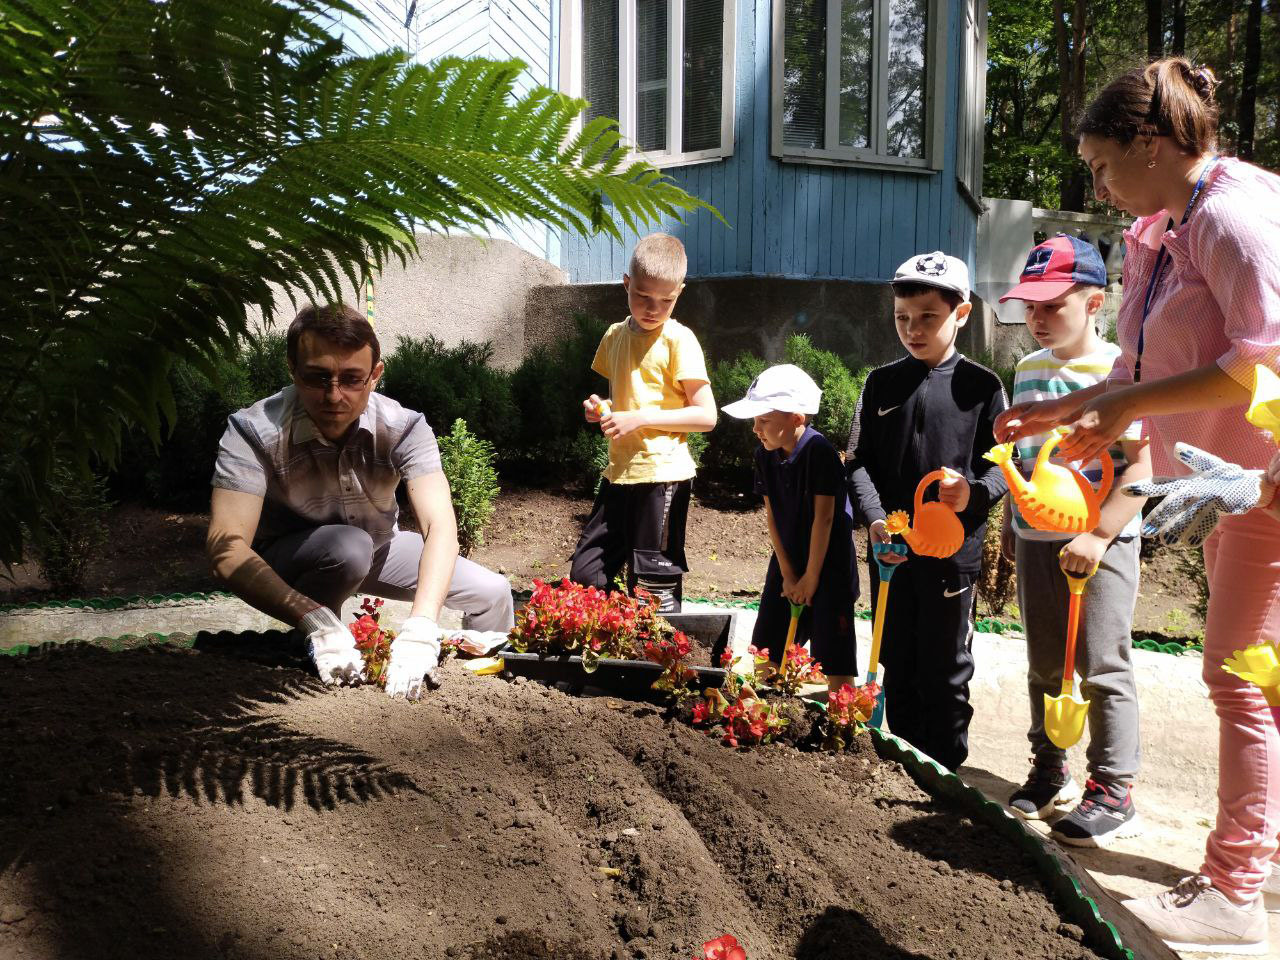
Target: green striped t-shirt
[[1042, 376]]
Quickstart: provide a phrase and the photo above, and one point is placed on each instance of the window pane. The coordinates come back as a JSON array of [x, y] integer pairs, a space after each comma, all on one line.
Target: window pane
[[804, 73], [907, 26], [600, 57], [855, 73], [651, 74], [703, 74]]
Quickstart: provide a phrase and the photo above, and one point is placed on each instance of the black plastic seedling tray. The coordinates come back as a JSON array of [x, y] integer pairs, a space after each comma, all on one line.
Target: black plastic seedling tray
[[628, 679]]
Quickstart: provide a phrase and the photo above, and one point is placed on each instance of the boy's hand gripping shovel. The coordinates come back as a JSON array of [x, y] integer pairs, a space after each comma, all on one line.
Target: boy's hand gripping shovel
[[877, 629], [1064, 715]]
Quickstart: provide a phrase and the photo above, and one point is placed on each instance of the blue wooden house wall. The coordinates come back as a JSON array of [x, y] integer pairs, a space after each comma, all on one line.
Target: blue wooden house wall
[[801, 220]]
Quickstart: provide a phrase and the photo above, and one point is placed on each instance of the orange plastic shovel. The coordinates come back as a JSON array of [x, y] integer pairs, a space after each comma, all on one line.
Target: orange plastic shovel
[[1065, 714]]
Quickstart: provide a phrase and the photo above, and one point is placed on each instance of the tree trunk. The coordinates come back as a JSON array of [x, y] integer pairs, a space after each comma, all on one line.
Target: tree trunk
[[1155, 29], [1071, 86], [1249, 82], [1179, 27]]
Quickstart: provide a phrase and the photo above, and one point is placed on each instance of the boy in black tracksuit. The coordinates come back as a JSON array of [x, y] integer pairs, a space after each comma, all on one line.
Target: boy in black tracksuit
[[933, 408]]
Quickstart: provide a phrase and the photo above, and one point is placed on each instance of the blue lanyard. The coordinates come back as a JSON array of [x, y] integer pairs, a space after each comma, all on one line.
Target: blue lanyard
[[1157, 271]]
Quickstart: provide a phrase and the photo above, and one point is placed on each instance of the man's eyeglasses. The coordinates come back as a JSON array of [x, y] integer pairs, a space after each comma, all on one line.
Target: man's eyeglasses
[[346, 382]]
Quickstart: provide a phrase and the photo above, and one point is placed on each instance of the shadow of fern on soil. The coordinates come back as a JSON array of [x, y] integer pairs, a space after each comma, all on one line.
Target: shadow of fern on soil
[[274, 762]]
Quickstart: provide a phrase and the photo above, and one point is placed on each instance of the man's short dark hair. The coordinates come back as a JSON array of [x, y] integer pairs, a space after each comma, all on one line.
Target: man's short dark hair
[[338, 323], [911, 288]]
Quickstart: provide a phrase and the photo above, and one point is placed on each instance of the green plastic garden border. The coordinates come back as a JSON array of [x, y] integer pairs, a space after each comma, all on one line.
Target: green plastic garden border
[[113, 603], [1069, 896]]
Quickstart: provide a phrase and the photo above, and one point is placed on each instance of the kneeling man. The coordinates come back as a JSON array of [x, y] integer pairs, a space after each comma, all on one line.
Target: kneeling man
[[304, 507]]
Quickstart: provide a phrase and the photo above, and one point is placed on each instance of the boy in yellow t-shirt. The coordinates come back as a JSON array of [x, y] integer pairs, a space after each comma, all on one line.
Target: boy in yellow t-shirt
[[659, 393]]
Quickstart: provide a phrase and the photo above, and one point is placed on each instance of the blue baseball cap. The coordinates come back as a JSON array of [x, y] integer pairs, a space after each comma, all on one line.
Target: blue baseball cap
[[1057, 265]]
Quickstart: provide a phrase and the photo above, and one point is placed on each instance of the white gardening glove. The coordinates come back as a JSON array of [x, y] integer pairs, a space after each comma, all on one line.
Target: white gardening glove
[[332, 647], [1193, 503], [415, 652]]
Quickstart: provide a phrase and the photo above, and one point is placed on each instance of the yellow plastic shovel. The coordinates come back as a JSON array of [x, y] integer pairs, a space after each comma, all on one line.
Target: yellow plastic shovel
[[1264, 408], [796, 610], [1064, 715]]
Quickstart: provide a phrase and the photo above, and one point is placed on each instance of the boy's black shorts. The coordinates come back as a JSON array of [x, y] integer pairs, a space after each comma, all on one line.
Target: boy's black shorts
[[641, 526], [827, 625]]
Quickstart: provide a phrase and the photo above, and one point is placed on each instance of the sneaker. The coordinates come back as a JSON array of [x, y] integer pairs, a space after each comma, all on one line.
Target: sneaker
[[1105, 814], [1271, 889], [1047, 788], [1196, 916]]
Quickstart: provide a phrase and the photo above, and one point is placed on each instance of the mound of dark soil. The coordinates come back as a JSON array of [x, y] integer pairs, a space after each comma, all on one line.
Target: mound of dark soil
[[162, 803]]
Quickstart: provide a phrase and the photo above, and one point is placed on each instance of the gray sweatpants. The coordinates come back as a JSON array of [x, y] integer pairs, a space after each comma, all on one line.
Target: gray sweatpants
[[1103, 650], [332, 562]]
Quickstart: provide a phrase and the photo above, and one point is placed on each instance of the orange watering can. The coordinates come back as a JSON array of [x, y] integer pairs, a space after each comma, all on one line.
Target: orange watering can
[[936, 530], [1064, 715], [1057, 498]]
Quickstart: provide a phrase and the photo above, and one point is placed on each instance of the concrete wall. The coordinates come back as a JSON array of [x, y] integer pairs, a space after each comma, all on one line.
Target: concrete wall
[[458, 288], [853, 319]]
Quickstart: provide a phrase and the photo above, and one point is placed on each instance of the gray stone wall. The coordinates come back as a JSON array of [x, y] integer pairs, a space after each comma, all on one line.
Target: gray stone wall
[[456, 289]]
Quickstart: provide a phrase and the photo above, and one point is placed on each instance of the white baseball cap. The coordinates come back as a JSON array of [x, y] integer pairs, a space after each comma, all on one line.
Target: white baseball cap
[[937, 270], [785, 388]]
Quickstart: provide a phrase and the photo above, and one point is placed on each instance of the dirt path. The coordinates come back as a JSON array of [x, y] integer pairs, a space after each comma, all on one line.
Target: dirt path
[[162, 803]]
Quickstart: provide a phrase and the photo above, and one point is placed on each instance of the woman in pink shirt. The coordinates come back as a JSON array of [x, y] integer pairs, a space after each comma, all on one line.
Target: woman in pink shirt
[[1201, 307]]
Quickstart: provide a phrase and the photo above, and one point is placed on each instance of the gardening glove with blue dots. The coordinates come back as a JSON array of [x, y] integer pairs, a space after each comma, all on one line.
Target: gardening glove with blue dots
[[415, 653], [1193, 503], [332, 648]]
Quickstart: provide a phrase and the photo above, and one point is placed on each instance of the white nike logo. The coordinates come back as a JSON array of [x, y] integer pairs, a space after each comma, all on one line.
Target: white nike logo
[[884, 410], [954, 593]]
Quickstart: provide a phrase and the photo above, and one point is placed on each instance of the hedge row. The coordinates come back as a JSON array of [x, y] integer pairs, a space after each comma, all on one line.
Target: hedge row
[[532, 416]]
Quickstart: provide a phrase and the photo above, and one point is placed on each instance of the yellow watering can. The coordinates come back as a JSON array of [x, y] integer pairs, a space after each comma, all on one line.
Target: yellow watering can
[[936, 530], [1057, 498], [1264, 408], [1065, 714]]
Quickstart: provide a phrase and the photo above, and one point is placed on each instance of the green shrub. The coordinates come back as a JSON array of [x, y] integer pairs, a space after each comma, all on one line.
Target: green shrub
[[840, 387], [473, 483], [548, 389], [71, 534], [588, 456], [730, 447], [176, 474], [450, 383]]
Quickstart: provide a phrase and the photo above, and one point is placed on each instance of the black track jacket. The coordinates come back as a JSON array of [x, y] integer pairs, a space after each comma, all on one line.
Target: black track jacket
[[911, 420]]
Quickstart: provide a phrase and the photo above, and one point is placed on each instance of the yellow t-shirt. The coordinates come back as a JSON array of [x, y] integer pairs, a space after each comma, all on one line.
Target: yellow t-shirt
[[645, 370]]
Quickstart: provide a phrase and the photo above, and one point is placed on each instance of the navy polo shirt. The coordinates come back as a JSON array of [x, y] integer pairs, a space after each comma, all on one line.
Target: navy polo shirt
[[791, 482]]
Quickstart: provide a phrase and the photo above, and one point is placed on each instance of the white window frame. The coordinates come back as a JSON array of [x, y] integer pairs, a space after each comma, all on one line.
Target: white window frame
[[973, 105], [571, 77], [934, 93]]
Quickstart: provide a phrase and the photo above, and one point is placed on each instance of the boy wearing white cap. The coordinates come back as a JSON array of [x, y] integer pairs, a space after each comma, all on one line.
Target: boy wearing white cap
[[933, 408], [810, 518]]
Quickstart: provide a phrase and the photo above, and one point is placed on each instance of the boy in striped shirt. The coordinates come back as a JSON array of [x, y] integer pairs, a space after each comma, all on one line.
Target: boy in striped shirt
[[1061, 287]]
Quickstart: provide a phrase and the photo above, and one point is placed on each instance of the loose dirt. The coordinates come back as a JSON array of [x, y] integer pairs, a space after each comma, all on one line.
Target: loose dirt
[[194, 803]]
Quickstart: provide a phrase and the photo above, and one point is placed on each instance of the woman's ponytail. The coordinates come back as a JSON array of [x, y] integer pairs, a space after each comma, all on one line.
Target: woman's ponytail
[[1166, 98]]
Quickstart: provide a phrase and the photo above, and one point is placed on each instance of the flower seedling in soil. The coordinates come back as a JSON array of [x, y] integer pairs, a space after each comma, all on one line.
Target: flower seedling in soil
[[848, 710], [672, 655], [374, 641], [594, 623], [723, 948], [742, 719], [800, 669]]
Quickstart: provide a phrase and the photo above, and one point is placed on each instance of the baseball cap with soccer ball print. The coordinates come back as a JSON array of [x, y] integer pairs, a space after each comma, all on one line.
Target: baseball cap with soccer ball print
[[1057, 265], [935, 270]]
